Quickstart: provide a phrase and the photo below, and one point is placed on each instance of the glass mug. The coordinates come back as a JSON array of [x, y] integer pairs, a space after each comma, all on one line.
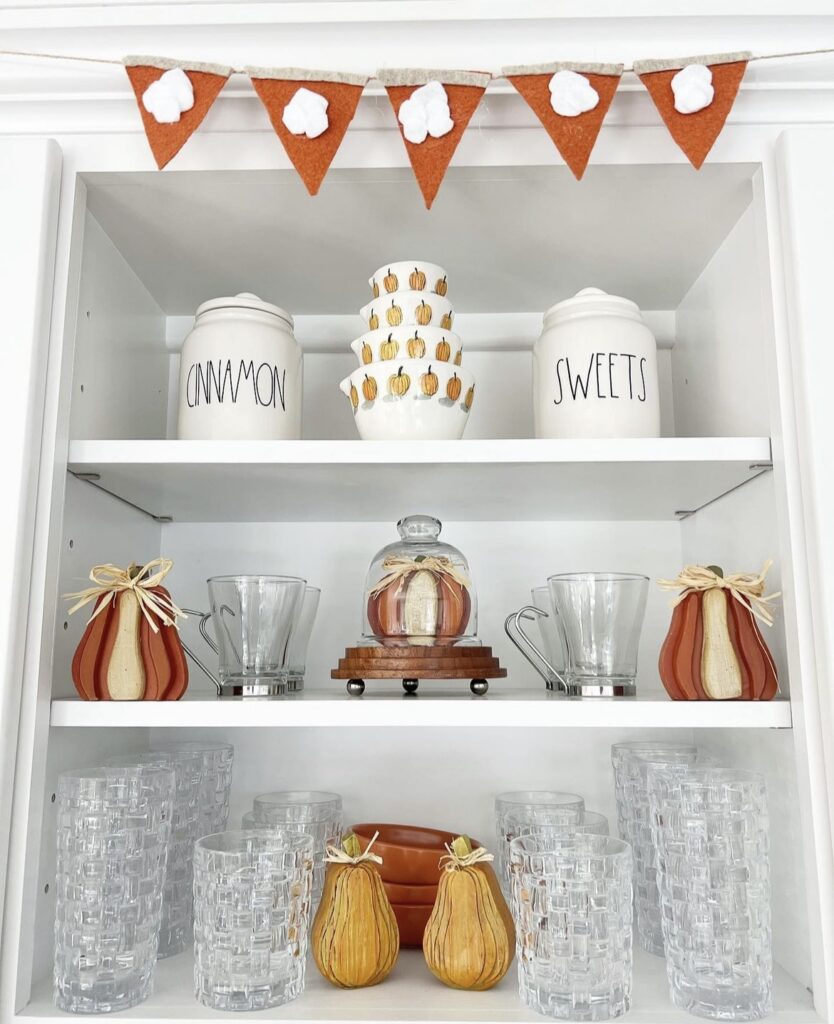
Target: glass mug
[[597, 618], [253, 618], [300, 639]]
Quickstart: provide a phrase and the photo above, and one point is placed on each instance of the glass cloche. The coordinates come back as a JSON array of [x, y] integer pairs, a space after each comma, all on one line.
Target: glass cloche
[[418, 590]]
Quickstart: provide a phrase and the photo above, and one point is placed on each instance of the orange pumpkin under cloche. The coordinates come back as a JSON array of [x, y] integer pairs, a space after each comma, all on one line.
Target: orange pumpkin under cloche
[[714, 649], [418, 589]]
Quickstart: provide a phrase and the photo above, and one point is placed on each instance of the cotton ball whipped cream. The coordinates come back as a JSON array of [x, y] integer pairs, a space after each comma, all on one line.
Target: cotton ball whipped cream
[[426, 112], [169, 96], [306, 114], [692, 87], [571, 94]]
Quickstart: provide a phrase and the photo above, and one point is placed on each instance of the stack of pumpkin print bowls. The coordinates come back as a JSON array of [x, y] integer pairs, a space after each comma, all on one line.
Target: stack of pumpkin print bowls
[[409, 384]]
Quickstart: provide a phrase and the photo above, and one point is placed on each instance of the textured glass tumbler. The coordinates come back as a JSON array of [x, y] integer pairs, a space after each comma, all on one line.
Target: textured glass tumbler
[[300, 639], [632, 761], [215, 781], [114, 825], [711, 832], [178, 896], [529, 807], [251, 913], [571, 901], [318, 815]]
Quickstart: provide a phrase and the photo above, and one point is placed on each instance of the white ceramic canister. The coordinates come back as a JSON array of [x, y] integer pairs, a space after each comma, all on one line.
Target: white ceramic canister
[[240, 373], [595, 370]]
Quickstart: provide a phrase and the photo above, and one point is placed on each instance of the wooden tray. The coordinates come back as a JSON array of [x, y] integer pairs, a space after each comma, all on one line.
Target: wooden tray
[[411, 664]]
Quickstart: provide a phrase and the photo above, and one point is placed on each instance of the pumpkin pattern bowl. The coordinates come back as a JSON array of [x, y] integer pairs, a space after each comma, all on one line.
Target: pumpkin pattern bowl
[[408, 342], [408, 275], [411, 399], [417, 309]]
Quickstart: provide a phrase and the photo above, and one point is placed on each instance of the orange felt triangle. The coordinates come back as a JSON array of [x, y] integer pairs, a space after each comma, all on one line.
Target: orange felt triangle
[[310, 157], [574, 136], [696, 133], [431, 158], [166, 140]]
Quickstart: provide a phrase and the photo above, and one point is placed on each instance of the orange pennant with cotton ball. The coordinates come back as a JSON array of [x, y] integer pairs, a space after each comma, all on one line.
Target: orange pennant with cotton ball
[[310, 112], [433, 109], [173, 97], [694, 96], [571, 101]]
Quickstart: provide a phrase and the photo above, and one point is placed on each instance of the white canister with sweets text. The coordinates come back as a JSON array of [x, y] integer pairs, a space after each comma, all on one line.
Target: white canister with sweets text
[[595, 370], [240, 373]]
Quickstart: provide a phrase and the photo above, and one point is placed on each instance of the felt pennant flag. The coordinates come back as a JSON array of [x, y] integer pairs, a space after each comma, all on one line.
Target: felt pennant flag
[[433, 109], [310, 112], [173, 97], [571, 101], [694, 96]]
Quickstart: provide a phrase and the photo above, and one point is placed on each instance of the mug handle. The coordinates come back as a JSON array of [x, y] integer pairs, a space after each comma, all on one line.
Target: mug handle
[[515, 631], [204, 618]]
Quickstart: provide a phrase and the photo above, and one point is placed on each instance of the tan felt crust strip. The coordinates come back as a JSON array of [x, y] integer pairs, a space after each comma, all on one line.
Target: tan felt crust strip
[[574, 136], [696, 133], [642, 67], [420, 76], [166, 140], [167, 63], [430, 158], [565, 65], [307, 75], [310, 157]]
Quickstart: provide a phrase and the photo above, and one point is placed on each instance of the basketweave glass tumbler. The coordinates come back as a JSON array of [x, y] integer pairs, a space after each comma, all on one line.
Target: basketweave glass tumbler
[[113, 829], [316, 814], [252, 894], [215, 781], [529, 807], [177, 930], [711, 832], [571, 900], [631, 761]]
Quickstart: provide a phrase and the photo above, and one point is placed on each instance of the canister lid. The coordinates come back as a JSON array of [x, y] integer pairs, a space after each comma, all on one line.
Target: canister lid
[[245, 300], [592, 301]]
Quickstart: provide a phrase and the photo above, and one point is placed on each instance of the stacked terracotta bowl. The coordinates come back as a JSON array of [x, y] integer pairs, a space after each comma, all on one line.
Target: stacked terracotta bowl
[[410, 872], [409, 384]]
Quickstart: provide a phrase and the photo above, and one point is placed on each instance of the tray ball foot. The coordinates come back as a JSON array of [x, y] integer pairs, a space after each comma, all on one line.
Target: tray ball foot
[[479, 687], [355, 687], [410, 685]]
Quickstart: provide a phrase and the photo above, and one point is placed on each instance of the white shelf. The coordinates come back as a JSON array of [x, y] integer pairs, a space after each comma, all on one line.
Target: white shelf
[[391, 708], [523, 479], [411, 993]]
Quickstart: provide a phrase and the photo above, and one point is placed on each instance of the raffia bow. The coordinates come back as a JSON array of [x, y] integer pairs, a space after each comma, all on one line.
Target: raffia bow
[[461, 855], [747, 588], [337, 856], [110, 581], [438, 565]]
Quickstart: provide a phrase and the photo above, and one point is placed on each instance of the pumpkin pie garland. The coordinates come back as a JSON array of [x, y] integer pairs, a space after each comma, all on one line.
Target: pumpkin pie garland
[[695, 133], [277, 86], [574, 137], [166, 140], [431, 158]]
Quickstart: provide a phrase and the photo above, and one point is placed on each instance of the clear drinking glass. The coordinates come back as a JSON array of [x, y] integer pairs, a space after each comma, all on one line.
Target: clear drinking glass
[[529, 807], [711, 833], [300, 639], [253, 617], [632, 761], [251, 912], [601, 616], [178, 895], [114, 824], [215, 781], [549, 632], [318, 815], [571, 901]]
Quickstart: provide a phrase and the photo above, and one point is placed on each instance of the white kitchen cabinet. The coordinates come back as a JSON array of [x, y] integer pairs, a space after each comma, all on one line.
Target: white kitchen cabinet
[[731, 266]]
